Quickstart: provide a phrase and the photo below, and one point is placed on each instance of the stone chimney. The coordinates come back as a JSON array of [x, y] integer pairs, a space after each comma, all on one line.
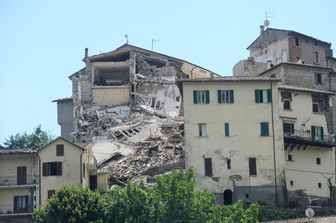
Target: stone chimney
[[262, 29], [86, 53]]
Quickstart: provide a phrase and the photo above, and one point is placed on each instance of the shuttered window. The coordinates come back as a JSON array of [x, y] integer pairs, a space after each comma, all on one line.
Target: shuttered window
[[60, 150], [317, 133], [226, 129], [263, 95], [201, 96], [52, 169], [208, 166], [264, 131], [252, 166], [225, 96]]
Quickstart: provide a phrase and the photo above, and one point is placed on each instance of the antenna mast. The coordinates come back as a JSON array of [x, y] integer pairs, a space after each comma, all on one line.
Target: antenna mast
[[154, 40]]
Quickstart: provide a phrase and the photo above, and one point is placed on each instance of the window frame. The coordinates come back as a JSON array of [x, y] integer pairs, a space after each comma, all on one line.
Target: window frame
[[208, 167], [318, 161], [296, 41], [290, 157], [264, 129], [263, 96], [201, 96], [253, 166], [202, 130], [314, 106], [59, 149], [316, 57], [228, 163], [291, 126], [226, 129], [225, 96], [318, 78], [52, 169], [289, 102]]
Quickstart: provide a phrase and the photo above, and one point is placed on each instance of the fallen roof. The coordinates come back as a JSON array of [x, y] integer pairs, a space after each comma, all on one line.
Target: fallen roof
[[284, 31], [232, 79], [6, 151], [302, 89]]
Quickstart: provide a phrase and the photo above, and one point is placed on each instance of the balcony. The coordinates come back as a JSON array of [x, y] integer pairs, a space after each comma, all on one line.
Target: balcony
[[8, 210], [14, 181], [301, 138]]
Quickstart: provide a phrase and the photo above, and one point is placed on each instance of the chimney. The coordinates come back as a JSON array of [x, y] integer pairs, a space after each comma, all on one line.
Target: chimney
[[86, 53], [262, 29]]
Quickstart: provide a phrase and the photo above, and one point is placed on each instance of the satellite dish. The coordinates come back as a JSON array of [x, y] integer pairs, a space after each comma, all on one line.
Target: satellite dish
[[266, 23], [309, 212]]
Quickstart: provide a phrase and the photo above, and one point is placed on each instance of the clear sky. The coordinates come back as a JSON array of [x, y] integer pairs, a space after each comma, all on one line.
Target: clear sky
[[42, 42]]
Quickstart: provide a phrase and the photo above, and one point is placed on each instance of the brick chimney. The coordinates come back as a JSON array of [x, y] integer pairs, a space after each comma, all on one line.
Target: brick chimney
[[262, 29]]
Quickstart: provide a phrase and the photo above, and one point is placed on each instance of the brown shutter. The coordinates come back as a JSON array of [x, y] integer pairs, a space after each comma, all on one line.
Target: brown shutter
[[15, 204], [60, 150], [208, 166], [59, 168], [45, 169]]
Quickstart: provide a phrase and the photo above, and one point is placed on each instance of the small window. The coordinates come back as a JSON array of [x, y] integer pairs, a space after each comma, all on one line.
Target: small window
[[264, 131], [201, 97], [316, 57], [289, 157], [318, 78], [202, 130], [291, 183], [228, 164], [84, 170], [317, 133], [297, 42], [208, 166], [246, 196], [316, 108], [288, 128], [318, 161], [286, 104], [59, 150], [319, 185], [226, 129], [50, 193], [252, 166], [263, 95], [225, 96]]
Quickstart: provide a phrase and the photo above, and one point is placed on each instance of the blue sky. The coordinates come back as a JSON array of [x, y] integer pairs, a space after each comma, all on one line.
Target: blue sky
[[42, 42]]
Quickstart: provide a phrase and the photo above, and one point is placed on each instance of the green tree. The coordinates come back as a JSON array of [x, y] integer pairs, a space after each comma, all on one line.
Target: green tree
[[73, 205], [36, 139]]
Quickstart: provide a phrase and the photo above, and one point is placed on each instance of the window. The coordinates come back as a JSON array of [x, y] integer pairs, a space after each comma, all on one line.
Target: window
[[289, 157], [226, 129], [59, 150], [201, 97], [286, 104], [263, 96], [264, 129], [228, 164], [202, 130], [20, 204], [291, 183], [288, 128], [316, 57], [319, 185], [318, 78], [297, 42], [318, 161], [50, 193], [208, 166], [225, 96], [317, 133], [246, 196], [52, 169], [84, 170], [252, 166], [316, 108]]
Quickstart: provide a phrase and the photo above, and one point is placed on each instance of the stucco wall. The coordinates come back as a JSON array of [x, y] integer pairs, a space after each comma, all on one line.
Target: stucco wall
[[110, 95], [7, 198], [244, 141]]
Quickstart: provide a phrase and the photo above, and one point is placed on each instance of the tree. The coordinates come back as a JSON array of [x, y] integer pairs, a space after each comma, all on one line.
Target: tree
[[36, 139], [73, 205]]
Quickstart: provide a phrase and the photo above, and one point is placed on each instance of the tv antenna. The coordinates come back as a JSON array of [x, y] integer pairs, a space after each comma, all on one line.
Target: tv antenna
[[126, 37], [153, 41], [267, 16]]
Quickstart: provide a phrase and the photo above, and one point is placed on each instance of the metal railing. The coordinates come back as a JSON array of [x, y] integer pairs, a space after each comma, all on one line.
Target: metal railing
[[9, 209], [308, 136], [13, 180]]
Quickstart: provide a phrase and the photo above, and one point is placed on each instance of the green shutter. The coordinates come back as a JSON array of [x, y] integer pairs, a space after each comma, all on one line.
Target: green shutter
[[195, 97], [219, 96], [264, 129], [312, 132], [207, 94], [269, 95], [322, 136], [257, 97], [226, 129], [231, 96]]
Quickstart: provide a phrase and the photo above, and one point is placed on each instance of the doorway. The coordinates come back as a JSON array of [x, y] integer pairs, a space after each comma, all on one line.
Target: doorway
[[227, 197]]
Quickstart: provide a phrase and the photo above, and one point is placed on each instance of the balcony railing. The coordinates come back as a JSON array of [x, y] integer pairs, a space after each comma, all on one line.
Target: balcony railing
[[6, 209], [301, 136], [14, 180]]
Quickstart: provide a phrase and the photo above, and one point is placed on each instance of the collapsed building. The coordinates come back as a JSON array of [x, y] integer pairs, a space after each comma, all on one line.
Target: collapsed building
[[126, 108]]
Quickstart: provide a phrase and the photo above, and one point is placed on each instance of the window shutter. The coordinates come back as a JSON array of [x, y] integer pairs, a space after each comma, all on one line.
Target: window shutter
[[59, 168], [207, 94], [208, 167], [253, 166], [257, 97], [45, 169], [195, 97], [264, 129], [269, 95], [322, 136], [312, 133], [231, 96], [15, 204], [226, 129], [219, 96]]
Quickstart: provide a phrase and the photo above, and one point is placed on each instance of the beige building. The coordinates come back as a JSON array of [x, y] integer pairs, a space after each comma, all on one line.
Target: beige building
[[233, 137], [29, 177]]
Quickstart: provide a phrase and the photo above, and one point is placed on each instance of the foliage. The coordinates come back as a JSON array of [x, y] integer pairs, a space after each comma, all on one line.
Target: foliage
[[36, 139], [71, 204], [268, 213], [173, 199]]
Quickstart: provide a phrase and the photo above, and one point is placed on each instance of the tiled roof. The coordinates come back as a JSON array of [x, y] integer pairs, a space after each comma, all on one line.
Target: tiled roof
[[232, 79], [302, 89], [5, 151]]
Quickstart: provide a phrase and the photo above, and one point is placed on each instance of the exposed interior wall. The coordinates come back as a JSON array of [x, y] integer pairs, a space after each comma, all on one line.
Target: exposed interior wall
[[110, 95]]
